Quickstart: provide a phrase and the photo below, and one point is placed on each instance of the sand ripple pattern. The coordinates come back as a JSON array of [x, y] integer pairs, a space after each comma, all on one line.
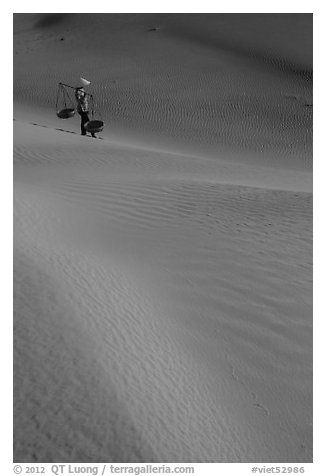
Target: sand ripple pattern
[[183, 84], [130, 344]]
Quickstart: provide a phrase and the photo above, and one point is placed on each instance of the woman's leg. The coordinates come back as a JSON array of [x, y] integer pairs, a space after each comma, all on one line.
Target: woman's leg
[[84, 119]]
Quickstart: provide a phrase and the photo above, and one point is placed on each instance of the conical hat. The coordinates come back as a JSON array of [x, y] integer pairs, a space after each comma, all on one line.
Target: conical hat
[[84, 82]]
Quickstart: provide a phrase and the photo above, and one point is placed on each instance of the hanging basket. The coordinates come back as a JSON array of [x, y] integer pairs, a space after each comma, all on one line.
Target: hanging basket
[[66, 113], [94, 126]]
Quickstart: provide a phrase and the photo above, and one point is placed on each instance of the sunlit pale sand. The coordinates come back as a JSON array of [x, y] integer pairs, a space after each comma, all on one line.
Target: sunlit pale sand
[[163, 274]]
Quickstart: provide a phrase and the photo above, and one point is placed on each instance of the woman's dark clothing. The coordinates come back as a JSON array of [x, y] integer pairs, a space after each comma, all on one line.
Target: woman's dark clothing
[[82, 108], [84, 118]]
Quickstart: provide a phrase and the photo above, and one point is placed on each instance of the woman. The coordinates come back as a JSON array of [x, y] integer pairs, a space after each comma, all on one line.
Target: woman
[[82, 109]]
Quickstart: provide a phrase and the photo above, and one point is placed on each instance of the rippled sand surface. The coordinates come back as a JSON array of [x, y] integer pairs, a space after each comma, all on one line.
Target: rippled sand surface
[[163, 274]]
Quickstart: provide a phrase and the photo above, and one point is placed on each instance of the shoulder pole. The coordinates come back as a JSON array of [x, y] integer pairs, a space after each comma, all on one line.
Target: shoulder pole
[[67, 85], [73, 87]]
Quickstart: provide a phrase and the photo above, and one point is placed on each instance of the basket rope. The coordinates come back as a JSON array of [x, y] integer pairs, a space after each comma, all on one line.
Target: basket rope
[[63, 96]]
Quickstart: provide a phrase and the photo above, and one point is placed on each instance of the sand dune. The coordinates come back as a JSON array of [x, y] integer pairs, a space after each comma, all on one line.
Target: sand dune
[[173, 85], [163, 275]]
